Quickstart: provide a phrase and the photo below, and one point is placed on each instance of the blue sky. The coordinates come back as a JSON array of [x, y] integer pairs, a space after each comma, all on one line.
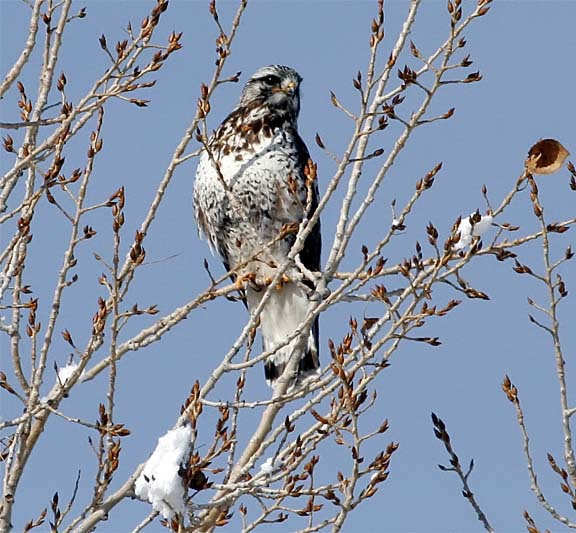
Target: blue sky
[[525, 52]]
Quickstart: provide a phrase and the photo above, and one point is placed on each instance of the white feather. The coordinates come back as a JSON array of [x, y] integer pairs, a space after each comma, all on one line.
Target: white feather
[[283, 312]]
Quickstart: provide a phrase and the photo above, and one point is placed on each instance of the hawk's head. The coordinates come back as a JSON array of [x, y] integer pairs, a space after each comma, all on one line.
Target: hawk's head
[[277, 86]]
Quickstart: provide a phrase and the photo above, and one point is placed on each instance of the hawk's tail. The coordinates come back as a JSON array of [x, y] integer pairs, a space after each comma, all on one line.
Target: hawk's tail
[[282, 314]]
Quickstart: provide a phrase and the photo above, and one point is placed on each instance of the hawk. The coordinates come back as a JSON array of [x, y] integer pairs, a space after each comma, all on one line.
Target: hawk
[[251, 192]]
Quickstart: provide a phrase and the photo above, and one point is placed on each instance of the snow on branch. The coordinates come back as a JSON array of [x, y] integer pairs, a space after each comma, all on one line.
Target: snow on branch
[[160, 482]]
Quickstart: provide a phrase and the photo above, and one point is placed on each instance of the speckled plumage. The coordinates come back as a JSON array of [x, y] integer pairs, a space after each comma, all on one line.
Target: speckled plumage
[[250, 184]]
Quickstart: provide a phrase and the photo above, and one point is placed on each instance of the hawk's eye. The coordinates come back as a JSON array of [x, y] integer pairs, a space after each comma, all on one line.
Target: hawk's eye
[[271, 80]]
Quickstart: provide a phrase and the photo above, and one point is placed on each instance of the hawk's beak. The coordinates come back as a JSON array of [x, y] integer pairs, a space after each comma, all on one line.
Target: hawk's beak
[[289, 89]]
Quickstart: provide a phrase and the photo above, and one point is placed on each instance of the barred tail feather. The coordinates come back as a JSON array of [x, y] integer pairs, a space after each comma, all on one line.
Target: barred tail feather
[[282, 314]]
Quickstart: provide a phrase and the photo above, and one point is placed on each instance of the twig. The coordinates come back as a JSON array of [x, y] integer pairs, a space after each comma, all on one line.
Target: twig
[[442, 434]]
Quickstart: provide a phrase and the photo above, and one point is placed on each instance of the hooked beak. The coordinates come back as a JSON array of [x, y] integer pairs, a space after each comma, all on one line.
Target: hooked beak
[[289, 89]]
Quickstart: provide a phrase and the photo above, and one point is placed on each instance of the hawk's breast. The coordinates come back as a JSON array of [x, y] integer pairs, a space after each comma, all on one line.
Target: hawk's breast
[[259, 187]]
